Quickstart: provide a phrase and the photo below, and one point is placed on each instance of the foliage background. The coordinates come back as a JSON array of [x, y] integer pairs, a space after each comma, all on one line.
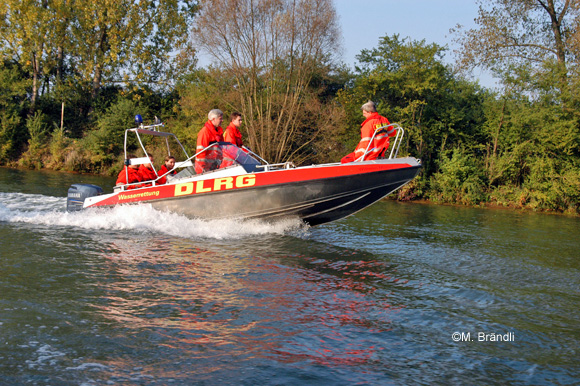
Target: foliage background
[[73, 76]]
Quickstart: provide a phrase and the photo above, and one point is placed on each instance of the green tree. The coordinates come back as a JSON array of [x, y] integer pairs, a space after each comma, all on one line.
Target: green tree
[[79, 53], [24, 30], [126, 41], [99, 42], [13, 106], [413, 87]]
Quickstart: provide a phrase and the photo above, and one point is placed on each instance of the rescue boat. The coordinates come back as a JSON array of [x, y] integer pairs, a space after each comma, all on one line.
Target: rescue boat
[[249, 187]]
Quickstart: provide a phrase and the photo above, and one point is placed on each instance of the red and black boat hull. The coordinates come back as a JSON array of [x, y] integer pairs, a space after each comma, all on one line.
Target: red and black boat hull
[[316, 194]]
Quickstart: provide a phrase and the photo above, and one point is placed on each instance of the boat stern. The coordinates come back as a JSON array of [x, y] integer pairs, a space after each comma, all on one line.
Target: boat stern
[[78, 193]]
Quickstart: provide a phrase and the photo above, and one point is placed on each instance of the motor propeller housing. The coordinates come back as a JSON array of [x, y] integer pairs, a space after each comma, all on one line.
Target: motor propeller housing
[[77, 193]]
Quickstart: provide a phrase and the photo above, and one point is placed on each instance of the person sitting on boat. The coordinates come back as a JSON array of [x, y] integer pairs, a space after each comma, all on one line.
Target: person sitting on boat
[[232, 133], [380, 144], [167, 167], [146, 171], [210, 133], [129, 175]]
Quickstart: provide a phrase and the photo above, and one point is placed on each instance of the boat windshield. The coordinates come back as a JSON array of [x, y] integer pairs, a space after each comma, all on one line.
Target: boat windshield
[[228, 155], [222, 155]]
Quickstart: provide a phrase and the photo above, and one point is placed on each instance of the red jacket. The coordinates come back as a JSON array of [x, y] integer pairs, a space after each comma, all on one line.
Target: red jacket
[[209, 159], [380, 143], [146, 173], [233, 135], [162, 171], [134, 176]]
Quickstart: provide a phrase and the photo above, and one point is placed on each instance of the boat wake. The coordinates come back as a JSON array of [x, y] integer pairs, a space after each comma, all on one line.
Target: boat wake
[[50, 211]]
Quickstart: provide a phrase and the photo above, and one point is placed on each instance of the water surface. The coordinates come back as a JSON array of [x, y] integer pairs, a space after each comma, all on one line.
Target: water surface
[[139, 297]]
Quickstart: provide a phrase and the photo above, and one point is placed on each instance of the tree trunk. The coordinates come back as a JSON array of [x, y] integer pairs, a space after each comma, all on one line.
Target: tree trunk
[[96, 80], [60, 64], [556, 25], [560, 45], [101, 52], [35, 81]]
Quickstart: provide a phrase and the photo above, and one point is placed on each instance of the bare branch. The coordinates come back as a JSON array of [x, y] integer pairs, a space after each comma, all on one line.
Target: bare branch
[[272, 48]]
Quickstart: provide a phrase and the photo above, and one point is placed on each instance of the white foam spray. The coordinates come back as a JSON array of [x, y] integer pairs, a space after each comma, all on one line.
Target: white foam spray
[[50, 211]]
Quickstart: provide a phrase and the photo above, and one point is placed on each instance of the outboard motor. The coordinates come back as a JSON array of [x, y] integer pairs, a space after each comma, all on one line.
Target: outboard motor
[[77, 193]]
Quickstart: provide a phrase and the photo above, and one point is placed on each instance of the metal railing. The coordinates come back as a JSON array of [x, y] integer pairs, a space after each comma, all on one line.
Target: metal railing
[[283, 165], [178, 165], [151, 130], [394, 145], [154, 130]]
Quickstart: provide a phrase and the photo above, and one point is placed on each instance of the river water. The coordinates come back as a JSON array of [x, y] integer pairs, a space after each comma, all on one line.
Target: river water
[[396, 294]]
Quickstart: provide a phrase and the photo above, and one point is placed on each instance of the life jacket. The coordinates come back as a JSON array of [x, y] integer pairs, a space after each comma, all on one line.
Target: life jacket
[[147, 174], [209, 159], [233, 135], [164, 170], [380, 143], [133, 174]]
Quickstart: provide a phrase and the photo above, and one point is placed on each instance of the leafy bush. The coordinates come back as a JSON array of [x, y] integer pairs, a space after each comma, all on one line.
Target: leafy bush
[[9, 124], [38, 133], [415, 189], [460, 180], [554, 185], [57, 148], [105, 143]]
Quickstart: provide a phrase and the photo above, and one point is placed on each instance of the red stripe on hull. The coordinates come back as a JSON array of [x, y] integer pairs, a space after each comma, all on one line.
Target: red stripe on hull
[[260, 179]]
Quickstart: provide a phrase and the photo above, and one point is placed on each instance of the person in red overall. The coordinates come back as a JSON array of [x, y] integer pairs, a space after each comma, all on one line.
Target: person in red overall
[[210, 133], [167, 166], [232, 133], [233, 136], [147, 173], [380, 143], [129, 175]]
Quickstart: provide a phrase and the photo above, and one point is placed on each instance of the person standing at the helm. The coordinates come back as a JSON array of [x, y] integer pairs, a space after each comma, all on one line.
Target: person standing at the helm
[[232, 133], [211, 132]]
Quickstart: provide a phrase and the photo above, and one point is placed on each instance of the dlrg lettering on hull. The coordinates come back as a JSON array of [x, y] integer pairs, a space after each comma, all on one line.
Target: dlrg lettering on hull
[[215, 185]]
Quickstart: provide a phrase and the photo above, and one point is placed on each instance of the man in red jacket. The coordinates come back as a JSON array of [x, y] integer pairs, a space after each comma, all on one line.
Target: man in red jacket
[[380, 143], [210, 133], [146, 171], [129, 174], [232, 133]]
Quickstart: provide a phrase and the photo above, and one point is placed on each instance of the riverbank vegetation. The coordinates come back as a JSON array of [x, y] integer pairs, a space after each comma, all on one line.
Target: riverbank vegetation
[[72, 77]]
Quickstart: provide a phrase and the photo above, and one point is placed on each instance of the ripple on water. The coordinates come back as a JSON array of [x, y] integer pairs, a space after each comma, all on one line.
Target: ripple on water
[[137, 296]]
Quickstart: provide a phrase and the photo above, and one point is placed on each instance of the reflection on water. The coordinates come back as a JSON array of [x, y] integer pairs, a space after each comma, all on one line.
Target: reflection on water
[[254, 307], [135, 296]]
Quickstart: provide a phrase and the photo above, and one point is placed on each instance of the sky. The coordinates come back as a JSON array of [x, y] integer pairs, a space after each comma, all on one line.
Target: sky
[[363, 22]]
